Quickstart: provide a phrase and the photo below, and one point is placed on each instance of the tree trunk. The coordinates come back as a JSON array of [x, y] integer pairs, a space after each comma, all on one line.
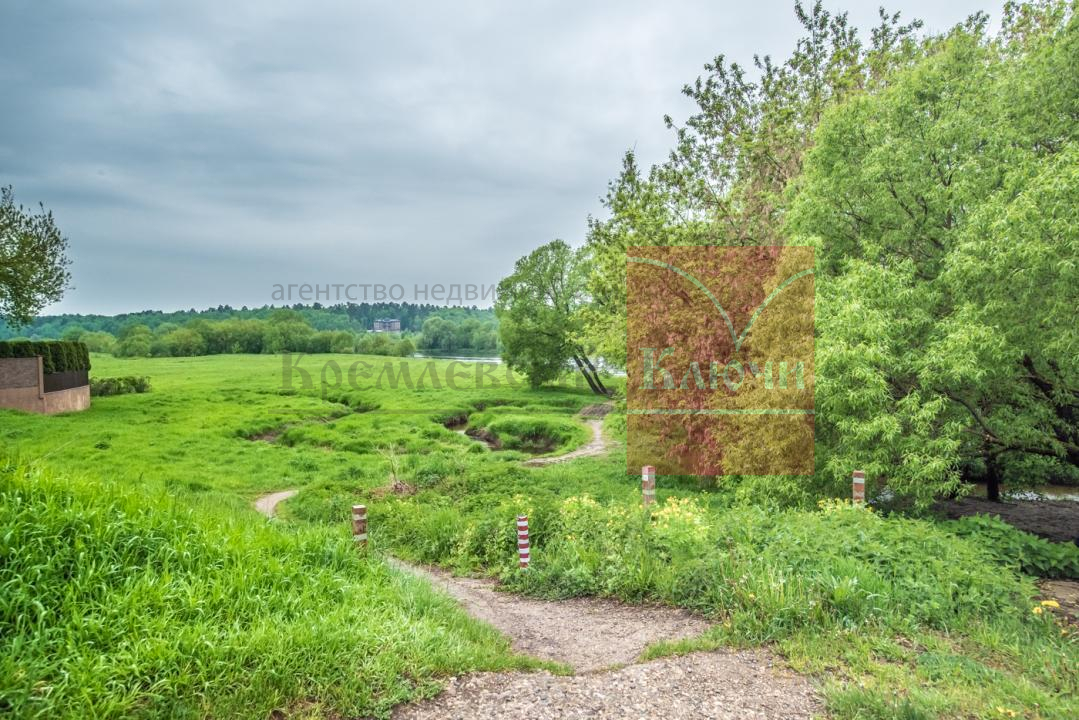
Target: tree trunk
[[587, 377], [992, 479], [595, 375]]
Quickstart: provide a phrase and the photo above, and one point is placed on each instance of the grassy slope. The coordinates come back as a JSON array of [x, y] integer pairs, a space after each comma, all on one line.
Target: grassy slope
[[908, 619], [123, 603], [137, 581]]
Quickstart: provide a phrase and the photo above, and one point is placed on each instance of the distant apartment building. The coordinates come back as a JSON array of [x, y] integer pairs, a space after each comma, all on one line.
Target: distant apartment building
[[387, 325]]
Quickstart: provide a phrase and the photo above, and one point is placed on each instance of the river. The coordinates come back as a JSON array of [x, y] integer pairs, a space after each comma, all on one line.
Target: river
[[429, 355], [1040, 492]]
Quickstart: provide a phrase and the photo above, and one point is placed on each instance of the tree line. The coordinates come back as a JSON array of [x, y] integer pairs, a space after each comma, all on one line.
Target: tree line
[[936, 177], [280, 330], [357, 317]]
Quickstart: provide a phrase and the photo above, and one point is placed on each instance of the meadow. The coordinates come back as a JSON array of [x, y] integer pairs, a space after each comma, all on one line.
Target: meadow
[[139, 581]]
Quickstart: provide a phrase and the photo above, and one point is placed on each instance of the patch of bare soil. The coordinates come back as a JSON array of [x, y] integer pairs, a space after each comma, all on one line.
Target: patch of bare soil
[[267, 504], [712, 685], [1065, 592], [269, 436], [395, 487], [1056, 520], [585, 633]]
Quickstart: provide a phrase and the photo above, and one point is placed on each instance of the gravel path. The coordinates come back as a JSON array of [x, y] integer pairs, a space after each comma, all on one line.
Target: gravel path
[[267, 504], [585, 633], [713, 686], [597, 638]]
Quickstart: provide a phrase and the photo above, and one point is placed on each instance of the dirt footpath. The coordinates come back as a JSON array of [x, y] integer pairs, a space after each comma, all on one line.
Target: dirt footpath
[[601, 640], [596, 446], [584, 633], [267, 504], [1065, 592], [713, 686]]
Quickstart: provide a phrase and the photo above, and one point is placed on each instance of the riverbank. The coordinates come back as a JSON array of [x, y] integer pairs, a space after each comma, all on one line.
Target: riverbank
[[1056, 520]]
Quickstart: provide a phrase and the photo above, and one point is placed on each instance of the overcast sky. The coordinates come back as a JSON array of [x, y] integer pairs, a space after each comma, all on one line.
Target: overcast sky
[[196, 153]]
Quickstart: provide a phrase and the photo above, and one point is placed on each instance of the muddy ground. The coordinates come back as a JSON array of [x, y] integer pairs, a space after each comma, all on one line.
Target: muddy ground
[[1056, 520]]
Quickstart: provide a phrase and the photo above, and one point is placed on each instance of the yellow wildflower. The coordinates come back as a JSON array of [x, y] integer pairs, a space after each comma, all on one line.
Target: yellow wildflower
[[1050, 604]]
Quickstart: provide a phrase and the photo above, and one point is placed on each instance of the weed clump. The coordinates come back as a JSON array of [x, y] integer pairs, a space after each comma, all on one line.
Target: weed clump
[[103, 387]]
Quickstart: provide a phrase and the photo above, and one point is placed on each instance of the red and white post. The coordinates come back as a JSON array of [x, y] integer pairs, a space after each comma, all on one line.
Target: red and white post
[[522, 541], [359, 525], [858, 487], [648, 485]]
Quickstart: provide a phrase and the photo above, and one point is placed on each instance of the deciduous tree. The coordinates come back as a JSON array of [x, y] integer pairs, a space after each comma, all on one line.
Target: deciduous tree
[[537, 309], [33, 260]]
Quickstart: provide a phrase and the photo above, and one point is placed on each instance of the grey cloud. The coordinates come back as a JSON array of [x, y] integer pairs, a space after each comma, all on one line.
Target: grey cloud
[[196, 153]]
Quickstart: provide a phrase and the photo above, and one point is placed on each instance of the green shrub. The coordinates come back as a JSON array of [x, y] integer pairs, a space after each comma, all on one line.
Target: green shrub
[[1029, 553], [102, 387], [57, 355], [776, 572]]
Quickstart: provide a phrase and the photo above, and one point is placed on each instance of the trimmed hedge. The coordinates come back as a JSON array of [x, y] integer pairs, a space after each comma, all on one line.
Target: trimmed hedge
[[57, 355]]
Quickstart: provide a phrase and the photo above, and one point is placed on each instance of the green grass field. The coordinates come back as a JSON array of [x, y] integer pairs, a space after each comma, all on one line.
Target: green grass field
[[138, 580]]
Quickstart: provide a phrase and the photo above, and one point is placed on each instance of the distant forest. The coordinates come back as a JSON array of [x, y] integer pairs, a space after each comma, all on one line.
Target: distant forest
[[299, 328]]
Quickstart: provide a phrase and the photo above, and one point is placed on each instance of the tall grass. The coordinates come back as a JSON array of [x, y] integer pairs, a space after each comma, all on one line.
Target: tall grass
[[125, 603]]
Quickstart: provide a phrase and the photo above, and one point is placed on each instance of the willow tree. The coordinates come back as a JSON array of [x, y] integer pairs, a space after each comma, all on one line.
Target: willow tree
[[944, 209]]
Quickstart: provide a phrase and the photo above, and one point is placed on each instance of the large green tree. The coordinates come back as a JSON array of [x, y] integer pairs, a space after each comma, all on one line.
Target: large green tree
[[936, 175], [944, 207], [537, 308], [33, 260]]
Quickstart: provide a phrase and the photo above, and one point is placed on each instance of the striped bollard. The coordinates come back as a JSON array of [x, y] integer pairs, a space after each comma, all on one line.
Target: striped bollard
[[648, 485], [359, 525], [522, 540], [858, 487]]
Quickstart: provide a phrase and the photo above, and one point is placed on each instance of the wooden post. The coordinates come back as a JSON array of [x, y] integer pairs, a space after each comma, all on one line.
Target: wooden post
[[858, 487], [359, 525], [522, 541], [648, 485]]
